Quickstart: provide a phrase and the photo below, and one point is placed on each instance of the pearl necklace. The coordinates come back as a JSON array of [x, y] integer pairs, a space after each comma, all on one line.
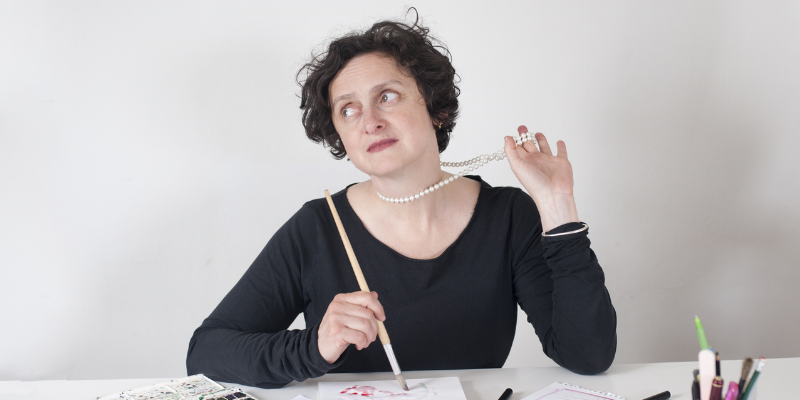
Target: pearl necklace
[[471, 165]]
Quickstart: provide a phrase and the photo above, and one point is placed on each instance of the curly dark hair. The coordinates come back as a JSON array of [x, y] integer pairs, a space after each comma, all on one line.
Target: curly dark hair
[[418, 54]]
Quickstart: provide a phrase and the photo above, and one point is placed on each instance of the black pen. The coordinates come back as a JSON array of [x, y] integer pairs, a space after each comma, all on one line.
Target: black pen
[[660, 396], [506, 395]]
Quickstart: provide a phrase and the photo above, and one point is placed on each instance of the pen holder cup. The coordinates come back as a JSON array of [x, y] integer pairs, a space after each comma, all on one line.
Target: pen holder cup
[[726, 386], [752, 396], [753, 393]]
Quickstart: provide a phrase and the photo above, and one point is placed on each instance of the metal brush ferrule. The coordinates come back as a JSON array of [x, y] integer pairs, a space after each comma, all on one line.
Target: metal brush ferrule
[[392, 359]]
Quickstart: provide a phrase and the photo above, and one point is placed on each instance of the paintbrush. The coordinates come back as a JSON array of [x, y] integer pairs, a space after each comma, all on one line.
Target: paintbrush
[[746, 366], [362, 283]]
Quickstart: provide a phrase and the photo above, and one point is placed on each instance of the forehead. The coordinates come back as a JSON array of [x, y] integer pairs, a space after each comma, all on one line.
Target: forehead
[[367, 71]]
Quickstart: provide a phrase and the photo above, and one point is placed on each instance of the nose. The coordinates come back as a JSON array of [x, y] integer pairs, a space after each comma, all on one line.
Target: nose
[[373, 120]]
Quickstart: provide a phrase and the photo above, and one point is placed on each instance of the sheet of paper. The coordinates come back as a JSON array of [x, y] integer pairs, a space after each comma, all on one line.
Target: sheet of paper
[[418, 389], [563, 391], [153, 392]]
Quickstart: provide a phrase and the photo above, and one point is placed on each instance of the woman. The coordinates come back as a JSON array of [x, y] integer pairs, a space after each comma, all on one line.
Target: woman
[[450, 262]]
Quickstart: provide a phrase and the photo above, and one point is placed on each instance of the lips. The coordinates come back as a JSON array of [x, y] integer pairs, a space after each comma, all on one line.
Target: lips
[[380, 145]]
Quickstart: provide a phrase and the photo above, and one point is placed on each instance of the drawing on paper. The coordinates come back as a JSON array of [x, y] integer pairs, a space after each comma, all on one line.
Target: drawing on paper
[[418, 392], [419, 389]]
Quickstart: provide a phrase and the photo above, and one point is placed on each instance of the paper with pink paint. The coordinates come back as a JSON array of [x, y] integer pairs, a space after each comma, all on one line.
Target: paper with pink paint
[[418, 389]]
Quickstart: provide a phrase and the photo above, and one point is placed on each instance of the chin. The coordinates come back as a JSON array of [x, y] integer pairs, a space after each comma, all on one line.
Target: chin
[[381, 170]]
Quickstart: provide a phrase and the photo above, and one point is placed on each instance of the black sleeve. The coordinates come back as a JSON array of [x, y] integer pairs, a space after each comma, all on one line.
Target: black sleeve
[[245, 339], [561, 287]]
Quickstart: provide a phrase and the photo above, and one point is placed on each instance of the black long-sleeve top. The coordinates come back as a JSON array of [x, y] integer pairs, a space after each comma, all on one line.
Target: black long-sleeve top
[[458, 310]]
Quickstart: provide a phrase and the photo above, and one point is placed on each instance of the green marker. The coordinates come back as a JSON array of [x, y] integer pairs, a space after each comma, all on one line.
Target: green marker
[[701, 334]]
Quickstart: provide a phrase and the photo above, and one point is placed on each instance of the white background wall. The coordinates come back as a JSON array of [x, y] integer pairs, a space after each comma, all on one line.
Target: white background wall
[[149, 149]]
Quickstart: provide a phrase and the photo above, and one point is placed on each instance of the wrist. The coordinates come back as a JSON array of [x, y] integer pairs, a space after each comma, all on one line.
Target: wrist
[[556, 210]]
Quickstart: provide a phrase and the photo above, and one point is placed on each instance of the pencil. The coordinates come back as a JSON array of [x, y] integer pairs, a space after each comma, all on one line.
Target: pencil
[[362, 283]]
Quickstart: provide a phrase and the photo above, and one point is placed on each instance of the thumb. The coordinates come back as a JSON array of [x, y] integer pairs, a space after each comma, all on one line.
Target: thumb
[[511, 150]]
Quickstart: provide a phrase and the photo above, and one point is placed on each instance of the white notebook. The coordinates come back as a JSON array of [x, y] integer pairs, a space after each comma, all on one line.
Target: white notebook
[[564, 391]]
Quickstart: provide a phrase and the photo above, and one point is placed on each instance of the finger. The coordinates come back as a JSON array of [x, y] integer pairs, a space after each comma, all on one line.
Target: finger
[[368, 326], [512, 151], [368, 300], [544, 147], [358, 338], [562, 149], [379, 313], [527, 146]]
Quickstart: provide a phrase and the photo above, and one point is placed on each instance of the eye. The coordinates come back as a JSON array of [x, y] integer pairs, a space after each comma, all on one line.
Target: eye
[[388, 96], [348, 111]]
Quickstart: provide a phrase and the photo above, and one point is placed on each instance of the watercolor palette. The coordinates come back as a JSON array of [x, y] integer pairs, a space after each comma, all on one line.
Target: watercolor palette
[[227, 394], [195, 387]]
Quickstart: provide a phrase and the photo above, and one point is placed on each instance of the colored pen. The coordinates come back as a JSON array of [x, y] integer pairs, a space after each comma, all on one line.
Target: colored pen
[[719, 370], [752, 381], [506, 395], [716, 389], [696, 385], [660, 396], [701, 333], [733, 391]]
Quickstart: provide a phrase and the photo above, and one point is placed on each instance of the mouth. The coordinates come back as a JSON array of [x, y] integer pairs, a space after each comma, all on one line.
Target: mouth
[[380, 145]]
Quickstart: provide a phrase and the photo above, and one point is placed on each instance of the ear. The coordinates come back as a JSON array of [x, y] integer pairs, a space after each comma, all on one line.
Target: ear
[[439, 120]]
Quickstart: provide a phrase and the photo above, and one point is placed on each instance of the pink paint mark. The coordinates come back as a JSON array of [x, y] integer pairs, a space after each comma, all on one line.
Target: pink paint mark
[[368, 391]]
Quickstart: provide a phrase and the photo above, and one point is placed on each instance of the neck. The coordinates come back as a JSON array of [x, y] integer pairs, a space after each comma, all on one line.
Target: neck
[[408, 182]]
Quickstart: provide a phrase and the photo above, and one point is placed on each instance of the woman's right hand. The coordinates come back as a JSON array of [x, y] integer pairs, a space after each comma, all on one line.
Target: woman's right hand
[[352, 318]]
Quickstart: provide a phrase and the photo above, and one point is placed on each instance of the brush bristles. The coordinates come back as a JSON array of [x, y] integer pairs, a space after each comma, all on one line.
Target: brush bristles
[[746, 366], [402, 381]]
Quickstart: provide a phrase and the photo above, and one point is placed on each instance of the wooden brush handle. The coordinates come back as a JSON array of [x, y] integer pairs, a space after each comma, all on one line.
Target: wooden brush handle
[[362, 283]]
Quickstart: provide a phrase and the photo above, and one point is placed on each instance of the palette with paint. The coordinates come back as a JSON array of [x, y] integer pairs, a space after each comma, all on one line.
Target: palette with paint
[[195, 387]]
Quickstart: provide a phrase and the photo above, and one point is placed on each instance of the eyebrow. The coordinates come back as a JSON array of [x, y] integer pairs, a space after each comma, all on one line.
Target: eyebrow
[[376, 88]]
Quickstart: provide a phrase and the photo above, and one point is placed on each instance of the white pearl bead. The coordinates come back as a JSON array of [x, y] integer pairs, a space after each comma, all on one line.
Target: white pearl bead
[[427, 191], [416, 196]]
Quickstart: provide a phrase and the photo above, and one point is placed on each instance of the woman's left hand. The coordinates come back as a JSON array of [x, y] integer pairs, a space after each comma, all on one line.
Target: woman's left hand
[[546, 177]]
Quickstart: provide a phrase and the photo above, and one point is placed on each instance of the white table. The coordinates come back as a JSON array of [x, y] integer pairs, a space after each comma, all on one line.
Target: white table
[[634, 381]]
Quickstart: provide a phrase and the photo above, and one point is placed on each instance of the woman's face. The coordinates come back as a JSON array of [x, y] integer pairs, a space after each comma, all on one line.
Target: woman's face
[[381, 116]]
